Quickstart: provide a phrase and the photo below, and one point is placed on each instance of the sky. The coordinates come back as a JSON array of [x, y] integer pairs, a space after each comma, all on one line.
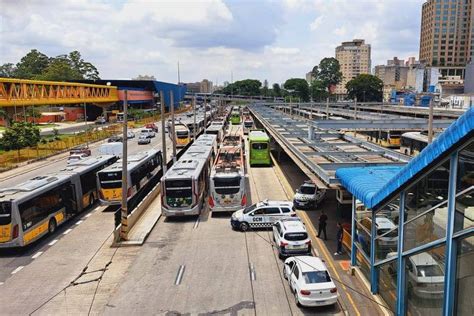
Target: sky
[[259, 39]]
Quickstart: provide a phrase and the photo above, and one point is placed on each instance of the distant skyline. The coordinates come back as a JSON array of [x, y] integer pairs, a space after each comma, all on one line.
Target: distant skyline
[[268, 39]]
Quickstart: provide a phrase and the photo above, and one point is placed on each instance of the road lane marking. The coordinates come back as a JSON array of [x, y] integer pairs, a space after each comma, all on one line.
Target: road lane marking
[[196, 224], [17, 269], [53, 242], [179, 276], [79, 222], [67, 231], [88, 215], [39, 253], [253, 275], [1, 283]]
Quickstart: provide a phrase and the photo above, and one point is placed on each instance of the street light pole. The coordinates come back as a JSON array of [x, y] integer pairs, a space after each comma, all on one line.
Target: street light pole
[[430, 121], [124, 213], [163, 136], [194, 112], [173, 135], [85, 122]]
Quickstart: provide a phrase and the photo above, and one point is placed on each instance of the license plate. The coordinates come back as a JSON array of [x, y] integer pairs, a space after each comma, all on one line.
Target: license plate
[[296, 246], [321, 302]]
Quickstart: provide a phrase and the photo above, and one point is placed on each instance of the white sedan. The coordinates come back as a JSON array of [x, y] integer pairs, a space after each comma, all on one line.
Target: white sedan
[[310, 281]]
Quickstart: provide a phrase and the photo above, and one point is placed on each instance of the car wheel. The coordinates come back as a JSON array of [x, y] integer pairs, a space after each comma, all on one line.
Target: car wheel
[[52, 225], [297, 301], [244, 226]]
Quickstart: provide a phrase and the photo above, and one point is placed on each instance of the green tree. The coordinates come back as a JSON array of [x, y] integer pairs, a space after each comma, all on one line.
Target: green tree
[[86, 69], [20, 135], [7, 70], [299, 88], [4, 115], [243, 87], [33, 113], [329, 72], [366, 88], [31, 65], [276, 90], [59, 70], [315, 72], [318, 90]]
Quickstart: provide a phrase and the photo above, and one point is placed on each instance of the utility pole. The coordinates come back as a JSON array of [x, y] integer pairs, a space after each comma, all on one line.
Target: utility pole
[[163, 136], [430, 121], [355, 108], [205, 112], [194, 114], [173, 134], [124, 213], [327, 108], [85, 122]]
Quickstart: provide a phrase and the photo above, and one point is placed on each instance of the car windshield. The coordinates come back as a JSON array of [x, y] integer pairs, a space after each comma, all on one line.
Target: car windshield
[[296, 236], [316, 277], [431, 270], [307, 190], [250, 208], [386, 233]]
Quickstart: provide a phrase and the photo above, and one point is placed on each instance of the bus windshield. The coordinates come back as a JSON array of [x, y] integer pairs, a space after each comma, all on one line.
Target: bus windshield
[[259, 146], [5, 213], [110, 180], [227, 185]]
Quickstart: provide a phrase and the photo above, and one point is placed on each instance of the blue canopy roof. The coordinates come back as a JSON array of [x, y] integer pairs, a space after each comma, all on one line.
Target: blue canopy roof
[[373, 188]]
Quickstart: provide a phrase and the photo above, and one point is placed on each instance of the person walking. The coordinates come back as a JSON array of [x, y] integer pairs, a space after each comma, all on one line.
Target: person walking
[[322, 225], [339, 239]]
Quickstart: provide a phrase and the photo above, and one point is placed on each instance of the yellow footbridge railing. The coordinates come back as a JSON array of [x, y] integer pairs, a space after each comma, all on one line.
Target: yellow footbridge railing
[[15, 92]]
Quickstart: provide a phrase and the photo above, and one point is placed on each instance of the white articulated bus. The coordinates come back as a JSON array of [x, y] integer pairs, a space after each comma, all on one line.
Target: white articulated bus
[[36, 207], [142, 168], [184, 187]]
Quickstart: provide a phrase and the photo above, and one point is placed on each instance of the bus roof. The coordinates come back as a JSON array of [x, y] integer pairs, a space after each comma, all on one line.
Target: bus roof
[[258, 136], [416, 136], [87, 164], [32, 186], [133, 161]]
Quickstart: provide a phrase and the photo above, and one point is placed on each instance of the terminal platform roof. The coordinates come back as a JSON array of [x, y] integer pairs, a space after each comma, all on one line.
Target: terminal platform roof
[[373, 185]]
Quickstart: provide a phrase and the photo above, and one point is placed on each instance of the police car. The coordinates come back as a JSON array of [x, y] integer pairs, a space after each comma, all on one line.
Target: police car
[[308, 195], [262, 215]]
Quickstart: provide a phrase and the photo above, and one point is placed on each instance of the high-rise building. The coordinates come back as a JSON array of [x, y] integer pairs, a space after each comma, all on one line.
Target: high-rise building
[[354, 58], [446, 37]]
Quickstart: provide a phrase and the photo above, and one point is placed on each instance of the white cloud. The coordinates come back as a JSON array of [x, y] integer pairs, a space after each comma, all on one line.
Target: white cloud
[[316, 23]]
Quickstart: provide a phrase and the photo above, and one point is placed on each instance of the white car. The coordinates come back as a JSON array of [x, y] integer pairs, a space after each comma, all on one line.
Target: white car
[[291, 237], [308, 195], [130, 134], [262, 214], [148, 132], [310, 281], [143, 139], [75, 158]]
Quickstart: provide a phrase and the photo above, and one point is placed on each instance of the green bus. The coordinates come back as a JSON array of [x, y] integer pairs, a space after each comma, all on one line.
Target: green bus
[[235, 117], [259, 146]]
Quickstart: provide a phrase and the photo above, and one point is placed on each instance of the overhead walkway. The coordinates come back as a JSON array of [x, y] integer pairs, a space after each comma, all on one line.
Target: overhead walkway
[[19, 92]]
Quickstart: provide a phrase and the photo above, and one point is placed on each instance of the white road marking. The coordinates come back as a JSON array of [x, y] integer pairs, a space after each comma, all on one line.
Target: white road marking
[[53, 242], [79, 222], [253, 276], [39, 253], [1, 283], [67, 231], [17, 269], [196, 224], [88, 215], [179, 277]]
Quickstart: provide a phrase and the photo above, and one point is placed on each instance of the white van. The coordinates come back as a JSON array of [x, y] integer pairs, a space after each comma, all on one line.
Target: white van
[[114, 149], [148, 132]]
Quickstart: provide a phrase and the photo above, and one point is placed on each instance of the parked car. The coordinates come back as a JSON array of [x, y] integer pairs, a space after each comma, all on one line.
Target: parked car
[[100, 120], [291, 237], [115, 139], [75, 158], [261, 215], [130, 134], [152, 126], [148, 132], [143, 140], [80, 150], [310, 281], [308, 195]]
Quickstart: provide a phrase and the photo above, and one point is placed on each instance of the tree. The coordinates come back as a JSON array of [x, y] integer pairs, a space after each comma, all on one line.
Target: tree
[[31, 65], [86, 69], [366, 88], [243, 87], [276, 90], [4, 115], [7, 70], [20, 135], [329, 72], [318, 90], [314, 72], [299, 88], [60, 70], [33, 113]]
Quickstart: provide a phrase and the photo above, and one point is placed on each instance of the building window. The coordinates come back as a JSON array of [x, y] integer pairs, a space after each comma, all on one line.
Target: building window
[[424, 280], [426, 206], [465, 189], [464, 305]]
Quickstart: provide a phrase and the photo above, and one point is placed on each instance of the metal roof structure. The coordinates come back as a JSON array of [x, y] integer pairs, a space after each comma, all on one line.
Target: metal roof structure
[[319, 153]]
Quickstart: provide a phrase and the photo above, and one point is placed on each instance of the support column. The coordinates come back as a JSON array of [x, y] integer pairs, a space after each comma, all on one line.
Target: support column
[[124, 212], [373, 269], [401, 261], [353, 234]]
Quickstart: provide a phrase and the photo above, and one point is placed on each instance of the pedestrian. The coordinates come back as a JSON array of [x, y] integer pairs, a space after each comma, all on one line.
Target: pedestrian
[[322, 225], [339, 239]]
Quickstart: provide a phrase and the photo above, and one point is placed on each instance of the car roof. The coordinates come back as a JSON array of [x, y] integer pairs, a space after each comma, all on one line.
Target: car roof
[[293, 226], [309, 263], [423, 259], [306, 184], [275, 203], [383, 222]]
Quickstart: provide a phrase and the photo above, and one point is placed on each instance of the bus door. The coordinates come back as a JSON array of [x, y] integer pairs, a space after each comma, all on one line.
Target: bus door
[[69, 196], [6, 221]]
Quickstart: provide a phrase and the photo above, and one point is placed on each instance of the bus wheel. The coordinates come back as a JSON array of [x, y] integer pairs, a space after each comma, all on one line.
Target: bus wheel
[[52, 225], [91, 199], [244, 226]]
